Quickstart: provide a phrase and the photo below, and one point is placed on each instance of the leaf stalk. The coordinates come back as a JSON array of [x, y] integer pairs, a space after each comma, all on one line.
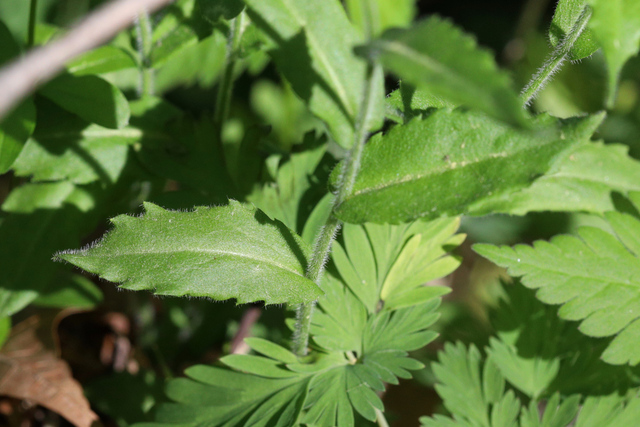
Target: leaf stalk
[[556, 59]]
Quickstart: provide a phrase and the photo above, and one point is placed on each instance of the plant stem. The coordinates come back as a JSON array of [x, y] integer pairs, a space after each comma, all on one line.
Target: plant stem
[[555, 60], [350, 168], [32, 23], [144, 39], [225, 88]]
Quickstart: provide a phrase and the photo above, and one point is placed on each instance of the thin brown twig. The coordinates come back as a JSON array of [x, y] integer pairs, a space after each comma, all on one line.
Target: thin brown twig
[[21, 77]]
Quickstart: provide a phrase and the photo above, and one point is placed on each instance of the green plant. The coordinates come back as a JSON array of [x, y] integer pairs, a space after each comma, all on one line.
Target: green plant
[[324, 193]]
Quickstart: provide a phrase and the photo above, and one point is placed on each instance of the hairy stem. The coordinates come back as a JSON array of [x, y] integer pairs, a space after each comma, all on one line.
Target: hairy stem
[[32, 23], [144, 36], [225, 88], [556, 59], [322, 246]]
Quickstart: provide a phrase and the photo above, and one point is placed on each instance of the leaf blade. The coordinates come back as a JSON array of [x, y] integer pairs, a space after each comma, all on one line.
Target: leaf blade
[[222, 253]]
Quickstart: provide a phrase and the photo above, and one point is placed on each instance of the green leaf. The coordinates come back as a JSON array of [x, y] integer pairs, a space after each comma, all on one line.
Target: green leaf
[[198, 63], [566, 14], [437, 55], [214, 10], [614, 410], [30, 235], [579, 180], [407, 102], [387, 13], [556, 413], [184, 151], [5, 329], [70, 290], [104, 59], [215, 396], [91, 98], [593, 275], [616, 26], [314, 43], [468, 390], [452, 159], [390, 264], [179, 28], [293, 178], [221, 253], [18, 125], [65, 147]]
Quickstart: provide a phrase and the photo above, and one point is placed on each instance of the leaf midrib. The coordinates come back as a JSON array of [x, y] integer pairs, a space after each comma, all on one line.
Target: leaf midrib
[[437, 171], [200, 251]]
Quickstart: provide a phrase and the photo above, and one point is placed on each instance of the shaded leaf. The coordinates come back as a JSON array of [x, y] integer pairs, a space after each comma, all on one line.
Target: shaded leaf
[[65, 147], [221, 252], [17, 126], [443, 164], [91, 98], [293, 178], [439, 56], [70, 290], [314, 43], [30, 235], [407, 102], [214, 10], [28, 370]]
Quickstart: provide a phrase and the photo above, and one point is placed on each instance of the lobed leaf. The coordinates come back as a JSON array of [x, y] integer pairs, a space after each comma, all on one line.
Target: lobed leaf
[[437, 55], [221, 252], [443, 164], [594, 277]]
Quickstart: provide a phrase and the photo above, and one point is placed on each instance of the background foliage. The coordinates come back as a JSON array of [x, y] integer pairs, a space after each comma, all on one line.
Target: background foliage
[[197, 155]]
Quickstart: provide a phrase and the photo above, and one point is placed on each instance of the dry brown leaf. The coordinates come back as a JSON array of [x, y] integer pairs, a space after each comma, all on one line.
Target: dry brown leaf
[[28, 370]]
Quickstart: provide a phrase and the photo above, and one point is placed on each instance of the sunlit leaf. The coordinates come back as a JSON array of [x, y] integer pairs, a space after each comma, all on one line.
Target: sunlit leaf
[[221, 253]]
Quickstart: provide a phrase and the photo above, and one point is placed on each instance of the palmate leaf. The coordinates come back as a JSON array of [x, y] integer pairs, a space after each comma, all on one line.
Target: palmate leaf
[[593, 275], [221, 252], [475, 393], [270, 390], [444, 163], [386, 265], [616, 26], [314, 51], [436, 54]]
